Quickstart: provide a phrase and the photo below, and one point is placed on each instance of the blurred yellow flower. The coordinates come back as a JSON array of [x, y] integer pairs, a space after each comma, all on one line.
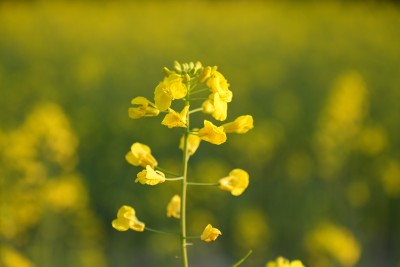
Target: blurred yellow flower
[[193, 143], [126, 219], [216, 107], [172, 87], [175, 119], [140, 155], [330, 241], [212, 133], [150, 176], [282, 262], [236, 182], [10, 257], [240, 125], [210, 234], [142, 108], [174, 207]]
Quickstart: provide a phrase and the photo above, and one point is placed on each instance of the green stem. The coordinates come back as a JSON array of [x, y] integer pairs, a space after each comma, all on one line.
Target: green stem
[[243, 259], [206, 184], [168, 172], [157, 231], [174, 179], [199, 90], [195, 110], [185, 159]]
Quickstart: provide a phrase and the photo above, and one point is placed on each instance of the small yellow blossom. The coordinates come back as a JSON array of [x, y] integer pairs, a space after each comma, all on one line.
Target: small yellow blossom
[[193, 142], [140, 155], [236, 182], [174, 207], [240, 125], [212, 133], [218, 84], [216, 107], [150, 176], [175, 119], [282, 262], [126, 219], [143, 108], [210, 234], [172, 87]]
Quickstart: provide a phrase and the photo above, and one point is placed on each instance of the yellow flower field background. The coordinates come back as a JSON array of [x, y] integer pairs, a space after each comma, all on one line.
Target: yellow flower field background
[[321, 80]]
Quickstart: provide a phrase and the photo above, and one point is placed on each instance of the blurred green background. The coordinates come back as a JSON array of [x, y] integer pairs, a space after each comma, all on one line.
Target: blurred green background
[[321, 79]]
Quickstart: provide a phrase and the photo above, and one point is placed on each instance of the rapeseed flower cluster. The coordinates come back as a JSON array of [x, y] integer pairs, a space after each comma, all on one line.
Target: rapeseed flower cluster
[[185, 82]]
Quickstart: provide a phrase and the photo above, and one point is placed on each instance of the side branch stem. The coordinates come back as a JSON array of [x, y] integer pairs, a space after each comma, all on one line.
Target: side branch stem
[[204, 184]]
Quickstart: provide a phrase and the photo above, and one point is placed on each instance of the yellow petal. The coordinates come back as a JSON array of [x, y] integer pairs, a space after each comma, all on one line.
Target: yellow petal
[[210, 234], [236, 182], [126, 219], [174, 119], [140, 155], [142, 108], [240, 125], [193, 143], [162, 96], [174, 207], [176, 86], [150, 176], [212, 133]]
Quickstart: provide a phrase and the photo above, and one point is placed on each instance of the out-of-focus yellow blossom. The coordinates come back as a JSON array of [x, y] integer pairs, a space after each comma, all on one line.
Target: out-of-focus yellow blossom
[[391, 178], [150, 176], [282, 262], [172, 87], [333, 242], [143, 108], [236, 182], [12, 258], [140, 155], [174, 207], [210, 233], [193, 142], [216, 107], [212, 133], [175, 119], [240, 125], [126, 219]]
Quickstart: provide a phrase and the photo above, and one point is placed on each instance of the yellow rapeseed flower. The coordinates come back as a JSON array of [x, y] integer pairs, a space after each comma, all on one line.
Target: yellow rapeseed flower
[[215, 106], [174, 207], [172, 87], [212, 133], [140, 155], [282, 262], [210, 233], [217, 84], [126, 219], [236, 182], [193, 143], [240, 125], [175, 119], [150, 176], [142, 108]]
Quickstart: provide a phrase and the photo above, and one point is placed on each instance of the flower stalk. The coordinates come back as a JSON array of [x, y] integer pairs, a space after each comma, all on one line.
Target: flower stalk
[[185, 161]]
